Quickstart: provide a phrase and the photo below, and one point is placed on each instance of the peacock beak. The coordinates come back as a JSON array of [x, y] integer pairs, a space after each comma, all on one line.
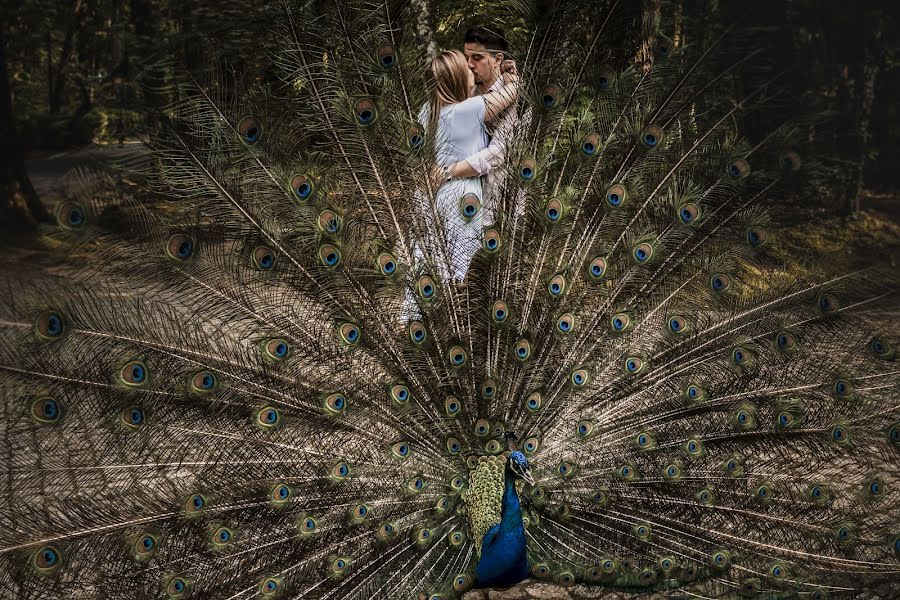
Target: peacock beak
[[526, 475]]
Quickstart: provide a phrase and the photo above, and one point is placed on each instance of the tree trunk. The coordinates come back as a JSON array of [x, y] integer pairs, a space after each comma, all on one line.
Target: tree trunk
[[13, 176], [650, 17], [58, 75], [871, 69]]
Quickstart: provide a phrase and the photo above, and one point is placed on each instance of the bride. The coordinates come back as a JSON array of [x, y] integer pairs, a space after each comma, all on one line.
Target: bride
[[457, 122]]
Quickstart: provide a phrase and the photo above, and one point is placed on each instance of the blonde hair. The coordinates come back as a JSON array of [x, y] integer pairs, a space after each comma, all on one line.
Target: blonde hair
[[447, 79]]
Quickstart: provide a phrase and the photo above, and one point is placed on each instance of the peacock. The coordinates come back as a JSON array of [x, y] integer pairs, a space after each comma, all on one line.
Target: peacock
[[236, 370]]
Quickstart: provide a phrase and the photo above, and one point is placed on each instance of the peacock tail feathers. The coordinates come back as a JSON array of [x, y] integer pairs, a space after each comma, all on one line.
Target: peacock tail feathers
[[242, 372]]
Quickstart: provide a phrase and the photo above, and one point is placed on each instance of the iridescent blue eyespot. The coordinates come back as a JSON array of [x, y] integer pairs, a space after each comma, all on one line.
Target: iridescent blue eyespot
[[250, 130]]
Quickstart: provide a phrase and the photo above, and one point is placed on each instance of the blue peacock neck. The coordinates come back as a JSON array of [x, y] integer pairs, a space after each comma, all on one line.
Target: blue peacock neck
[[504, 561], [510, 509]]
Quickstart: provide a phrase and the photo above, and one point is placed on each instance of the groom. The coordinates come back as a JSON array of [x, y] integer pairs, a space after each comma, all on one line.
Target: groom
[[485, 51]]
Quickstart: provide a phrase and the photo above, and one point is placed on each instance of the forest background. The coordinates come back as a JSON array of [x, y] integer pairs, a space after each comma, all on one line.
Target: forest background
[[77, 76]]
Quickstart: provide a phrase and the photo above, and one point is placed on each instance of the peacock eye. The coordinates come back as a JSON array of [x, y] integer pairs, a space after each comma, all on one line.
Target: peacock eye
[[738, 169], [276, 349], [620, 322], [49, 325], [268, 418], [531, 445], [180, 247], [195, 504], [250, 130], [499, 311], [263, 258], [329, 256], [786, 341], [416, 484], [843, 388], [144, 546], [366, 112], [452, 406], [527, 169], [590, 144], [339, 567], [616, 195], [633, 364], [469, 207], [70, 215], [533, 401], [756, 236], [491, 241], [280, 493], [492, 447], [584, 428], [340, 471], [222, 536], [387, 57], [203, 381], [269, 586], [46, 559], [556, 286], [522, 350], [554, 210], [579, 377], [652, 136], [46, 410], [336, 403], [719, 282], [134, 374], [302, 186], [827, 303], [597, 268], [881, 348], [550, 97], [565, 323], [307, 525], [415, 137], [488, 389], [349, 333], [401, 449], [688, 213], [643, 252], [400, 393], [329, 221], [387, 264], [482, 427], [458, 356], [453, 446], [133, 417], [417, 333], [677, 324]]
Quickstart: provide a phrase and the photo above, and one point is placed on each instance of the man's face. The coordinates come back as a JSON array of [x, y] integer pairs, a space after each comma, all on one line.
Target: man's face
[[483, 64]]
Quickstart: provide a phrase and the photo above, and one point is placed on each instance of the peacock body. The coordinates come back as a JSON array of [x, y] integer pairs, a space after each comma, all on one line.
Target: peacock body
[[210, 389]]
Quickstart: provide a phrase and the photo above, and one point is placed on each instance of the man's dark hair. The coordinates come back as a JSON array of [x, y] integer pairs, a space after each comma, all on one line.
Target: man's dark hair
[[492, 39]]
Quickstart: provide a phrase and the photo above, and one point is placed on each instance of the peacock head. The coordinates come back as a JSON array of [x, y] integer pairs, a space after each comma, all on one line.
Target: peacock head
[[517, 462]]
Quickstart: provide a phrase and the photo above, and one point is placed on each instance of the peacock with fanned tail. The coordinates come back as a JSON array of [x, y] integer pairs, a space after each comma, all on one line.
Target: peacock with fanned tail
[[210, 389]]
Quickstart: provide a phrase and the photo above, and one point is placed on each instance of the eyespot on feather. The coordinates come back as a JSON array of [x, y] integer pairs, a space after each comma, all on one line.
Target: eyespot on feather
[[250, 129], [302, 186], [263, 258], [330, 222], [365, 111], [180, 247], [49, 325], [71, 215]]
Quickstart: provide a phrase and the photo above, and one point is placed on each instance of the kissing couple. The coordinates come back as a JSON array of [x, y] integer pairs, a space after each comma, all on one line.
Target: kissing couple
[[469, 112]]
